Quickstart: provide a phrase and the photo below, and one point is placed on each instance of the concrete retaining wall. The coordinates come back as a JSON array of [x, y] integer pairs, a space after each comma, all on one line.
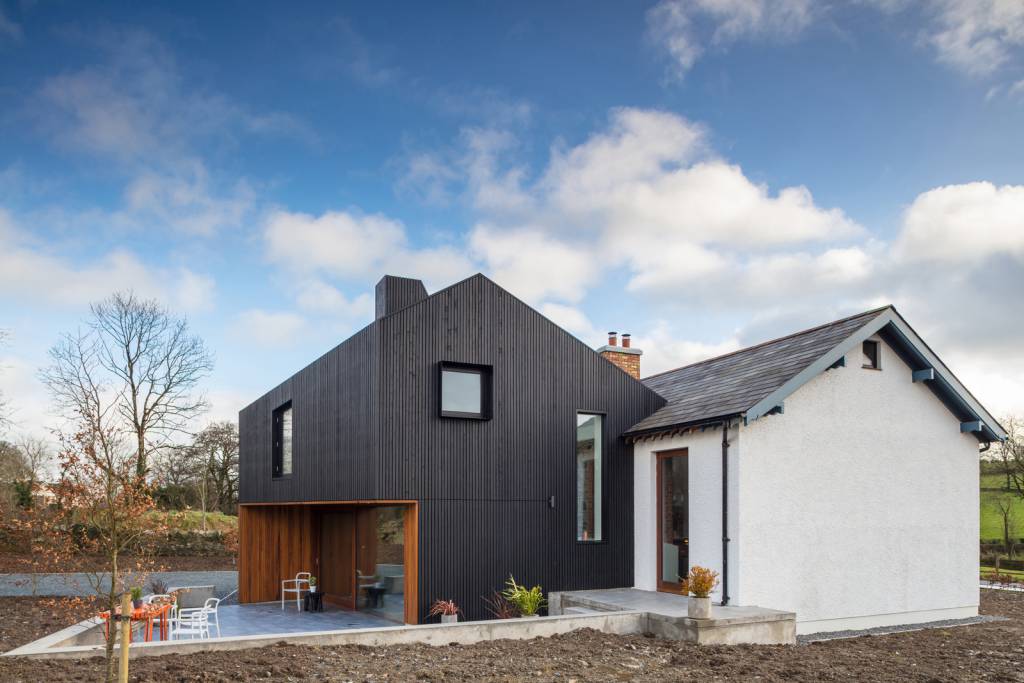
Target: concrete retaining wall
[[429, 634]]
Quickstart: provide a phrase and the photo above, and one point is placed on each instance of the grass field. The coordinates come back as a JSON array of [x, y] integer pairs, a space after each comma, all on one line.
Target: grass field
[[1012, 572], [991, 521], [192, 520]]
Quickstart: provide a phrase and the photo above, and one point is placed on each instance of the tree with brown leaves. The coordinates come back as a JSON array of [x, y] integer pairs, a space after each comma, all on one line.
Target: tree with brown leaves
[[99, 516]]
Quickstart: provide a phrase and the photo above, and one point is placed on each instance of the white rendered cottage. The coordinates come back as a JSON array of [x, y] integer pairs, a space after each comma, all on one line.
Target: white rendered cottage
[[850, 470]]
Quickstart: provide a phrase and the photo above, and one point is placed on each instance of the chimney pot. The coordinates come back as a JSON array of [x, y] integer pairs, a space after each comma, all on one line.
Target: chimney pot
[[625, 340], [612, 340]]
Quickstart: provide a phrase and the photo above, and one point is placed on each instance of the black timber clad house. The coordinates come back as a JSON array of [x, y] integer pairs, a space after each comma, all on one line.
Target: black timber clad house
[[484, 498]]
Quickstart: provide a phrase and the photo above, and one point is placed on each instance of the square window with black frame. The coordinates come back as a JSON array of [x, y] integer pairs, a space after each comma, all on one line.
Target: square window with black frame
[[465, 391], [872, 358], [282, 446]]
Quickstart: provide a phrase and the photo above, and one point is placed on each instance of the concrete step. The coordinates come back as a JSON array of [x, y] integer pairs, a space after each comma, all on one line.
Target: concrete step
[[578, 610]]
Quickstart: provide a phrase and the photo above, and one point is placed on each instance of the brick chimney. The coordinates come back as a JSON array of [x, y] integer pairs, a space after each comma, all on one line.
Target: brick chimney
[[625, 357]]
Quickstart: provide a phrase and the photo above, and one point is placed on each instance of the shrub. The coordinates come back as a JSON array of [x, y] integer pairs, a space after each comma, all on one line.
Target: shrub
[[499, 607], [528, 601], [136, 593], [158, 587], [444, 607], [699, 582]]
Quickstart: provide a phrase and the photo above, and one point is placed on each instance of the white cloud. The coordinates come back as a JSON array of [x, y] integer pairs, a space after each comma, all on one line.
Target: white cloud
[[964, 223], [133, 106], [319, 297], [532, 264], [349, 245], [977, 36], [30, 272], [273, 329], [185, 202], [646, 193], [684, 28]]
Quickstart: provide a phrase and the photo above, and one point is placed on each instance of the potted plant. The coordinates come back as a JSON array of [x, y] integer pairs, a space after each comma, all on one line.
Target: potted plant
[[698, 585], [529, 601], [312, 584], [136, 597], [446, 609], [499, 606]]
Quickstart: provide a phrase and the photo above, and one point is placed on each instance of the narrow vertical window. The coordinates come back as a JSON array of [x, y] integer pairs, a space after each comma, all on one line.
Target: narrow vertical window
[[282, 447], [871, 355], [589, 457]]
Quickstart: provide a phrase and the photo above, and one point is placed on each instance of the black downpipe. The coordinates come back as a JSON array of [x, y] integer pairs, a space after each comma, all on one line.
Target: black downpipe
[[725, 512]]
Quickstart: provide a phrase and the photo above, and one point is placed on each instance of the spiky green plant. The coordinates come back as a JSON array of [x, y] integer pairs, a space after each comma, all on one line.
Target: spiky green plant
[[528, 601]]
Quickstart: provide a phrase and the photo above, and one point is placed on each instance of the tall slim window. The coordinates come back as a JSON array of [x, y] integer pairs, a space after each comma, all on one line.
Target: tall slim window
[[589, 457], [282, 450]]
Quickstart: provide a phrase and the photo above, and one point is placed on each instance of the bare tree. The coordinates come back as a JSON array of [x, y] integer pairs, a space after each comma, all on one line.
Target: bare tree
[[1010, 454], [37, 456], [1004, 505], [218, 444], [5, 412], [143, 360], [12, 463]]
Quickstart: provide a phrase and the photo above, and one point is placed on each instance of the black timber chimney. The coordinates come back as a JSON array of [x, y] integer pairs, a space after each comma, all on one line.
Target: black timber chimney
[[395, 293]]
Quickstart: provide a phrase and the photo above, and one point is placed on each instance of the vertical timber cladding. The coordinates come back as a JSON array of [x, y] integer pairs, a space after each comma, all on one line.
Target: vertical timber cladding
[[366, 428], [274, 543], [484, 486]]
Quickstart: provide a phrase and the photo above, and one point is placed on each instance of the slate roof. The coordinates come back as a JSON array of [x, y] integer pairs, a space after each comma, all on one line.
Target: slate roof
[[731, 384]]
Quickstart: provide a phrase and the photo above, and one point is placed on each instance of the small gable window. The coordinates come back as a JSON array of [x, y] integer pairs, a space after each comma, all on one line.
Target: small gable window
[[282, 447], [872, 357], [466, 391]]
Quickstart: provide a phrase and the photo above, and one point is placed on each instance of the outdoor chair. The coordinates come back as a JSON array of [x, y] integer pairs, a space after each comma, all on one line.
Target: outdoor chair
[[298, 585], [192, 622], [211, 613]]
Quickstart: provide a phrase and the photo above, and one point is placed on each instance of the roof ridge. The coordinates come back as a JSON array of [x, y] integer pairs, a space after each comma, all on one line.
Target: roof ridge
[[771, 341]]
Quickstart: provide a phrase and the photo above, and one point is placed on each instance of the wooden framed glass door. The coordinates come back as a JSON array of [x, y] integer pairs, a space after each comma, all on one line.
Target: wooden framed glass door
[[673, 519], [337, 557]]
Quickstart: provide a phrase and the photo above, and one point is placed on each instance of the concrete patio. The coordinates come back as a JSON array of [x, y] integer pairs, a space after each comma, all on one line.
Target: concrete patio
[[666, 616], [268, 617]]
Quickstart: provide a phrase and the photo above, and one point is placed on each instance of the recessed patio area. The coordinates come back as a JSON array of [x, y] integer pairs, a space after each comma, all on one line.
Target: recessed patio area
[[264, 618]]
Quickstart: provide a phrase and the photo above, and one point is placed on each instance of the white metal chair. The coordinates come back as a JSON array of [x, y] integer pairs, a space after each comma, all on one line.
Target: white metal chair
[[211, 613], [191, 622], [298, 585]]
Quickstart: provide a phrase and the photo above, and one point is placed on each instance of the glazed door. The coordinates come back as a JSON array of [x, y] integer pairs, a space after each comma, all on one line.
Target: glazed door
[[338, 558], [673, 519]]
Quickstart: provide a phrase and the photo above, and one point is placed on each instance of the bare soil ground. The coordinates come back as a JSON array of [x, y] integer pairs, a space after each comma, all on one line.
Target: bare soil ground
[[14, 564], [986, 652]]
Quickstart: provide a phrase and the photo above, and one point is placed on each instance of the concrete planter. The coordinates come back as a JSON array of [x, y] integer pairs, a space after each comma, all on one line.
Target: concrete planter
[[698, 608], [449, 618], [529, 616]]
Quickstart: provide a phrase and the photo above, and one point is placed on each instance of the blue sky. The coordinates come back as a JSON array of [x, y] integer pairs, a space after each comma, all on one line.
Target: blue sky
[[703, 174]]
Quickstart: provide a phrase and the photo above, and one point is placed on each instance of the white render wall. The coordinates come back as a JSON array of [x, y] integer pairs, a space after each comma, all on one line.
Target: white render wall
[[859, 504], [705, 508]]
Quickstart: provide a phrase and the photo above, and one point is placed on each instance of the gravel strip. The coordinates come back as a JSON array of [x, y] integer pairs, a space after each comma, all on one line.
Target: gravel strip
[[885, 630]]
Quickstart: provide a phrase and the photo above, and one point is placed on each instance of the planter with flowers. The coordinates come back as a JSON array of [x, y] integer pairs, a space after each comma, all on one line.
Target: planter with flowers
[[698, 585]]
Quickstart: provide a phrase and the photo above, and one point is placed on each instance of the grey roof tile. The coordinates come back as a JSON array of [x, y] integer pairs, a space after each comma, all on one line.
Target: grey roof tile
[[730, 384]]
